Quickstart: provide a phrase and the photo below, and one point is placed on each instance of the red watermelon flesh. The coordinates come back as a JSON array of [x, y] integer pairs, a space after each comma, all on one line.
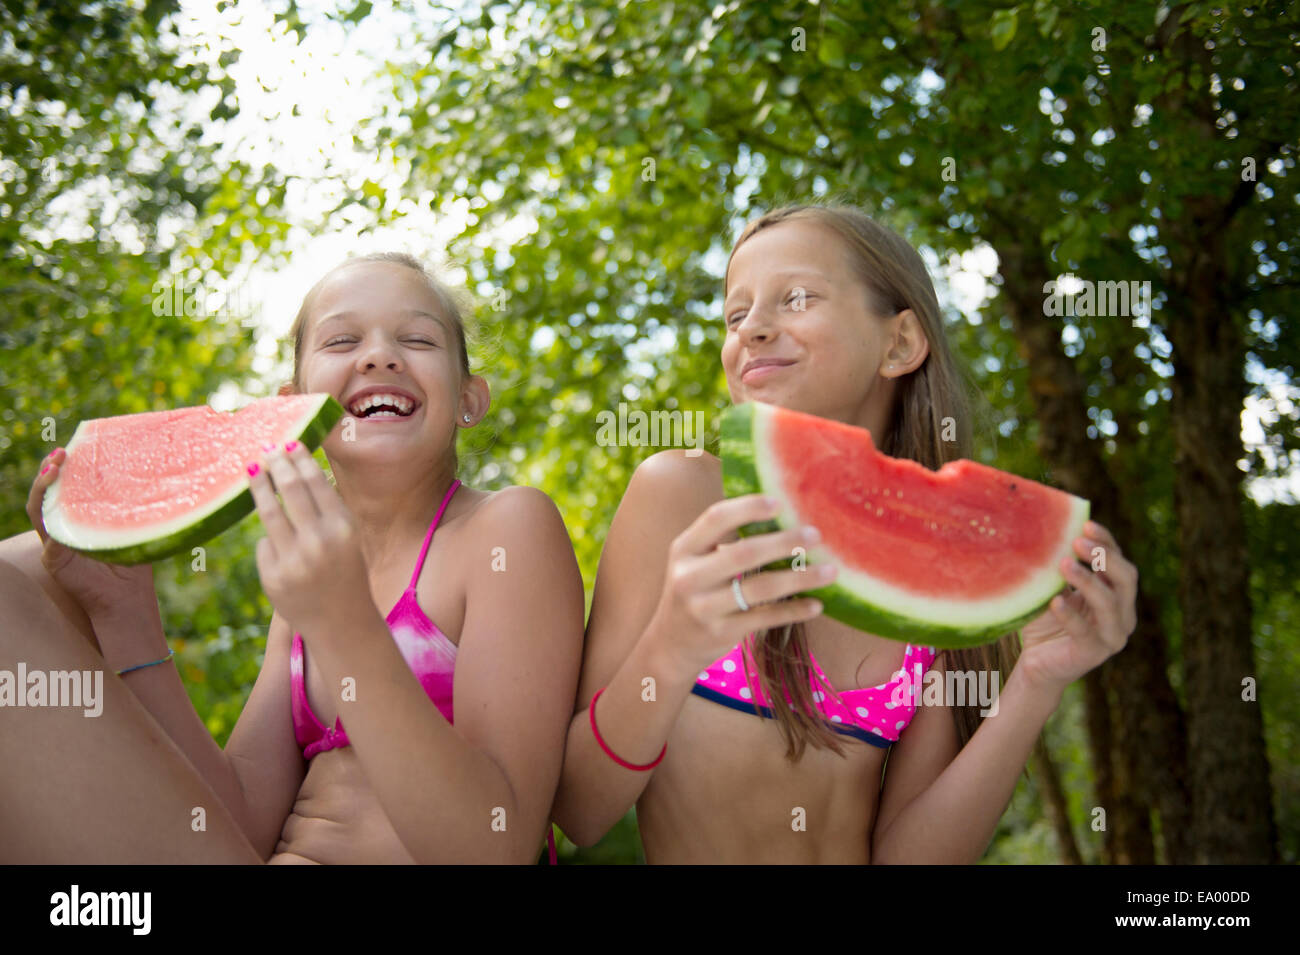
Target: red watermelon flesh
[[948, 558], [139, 487], [877, 508]]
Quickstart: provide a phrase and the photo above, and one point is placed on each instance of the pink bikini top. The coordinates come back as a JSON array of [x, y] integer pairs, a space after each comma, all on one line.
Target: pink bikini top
[[874, 714], [426, 649]]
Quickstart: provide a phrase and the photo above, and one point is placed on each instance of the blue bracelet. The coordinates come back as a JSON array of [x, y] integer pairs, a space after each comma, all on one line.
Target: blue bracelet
[[141, 666]]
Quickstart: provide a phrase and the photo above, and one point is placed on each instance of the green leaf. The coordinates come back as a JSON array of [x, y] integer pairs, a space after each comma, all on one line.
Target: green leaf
[[830, 51], [359, 12], [1047, 19], [1003, 28]]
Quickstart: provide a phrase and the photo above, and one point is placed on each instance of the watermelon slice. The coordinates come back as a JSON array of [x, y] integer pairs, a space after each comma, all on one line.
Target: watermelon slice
[[949, 558], [137, 488]]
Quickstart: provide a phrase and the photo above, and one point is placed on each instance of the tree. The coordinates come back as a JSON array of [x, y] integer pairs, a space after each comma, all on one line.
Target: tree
[[121, 228], [1101, 142]]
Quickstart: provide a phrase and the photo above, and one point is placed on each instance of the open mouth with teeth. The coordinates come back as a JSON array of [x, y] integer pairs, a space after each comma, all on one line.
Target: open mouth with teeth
[[382, 406]]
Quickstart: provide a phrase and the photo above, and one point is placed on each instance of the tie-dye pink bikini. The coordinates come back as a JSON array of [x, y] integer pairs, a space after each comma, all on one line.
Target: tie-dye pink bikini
[[426, 649], [874, 714]]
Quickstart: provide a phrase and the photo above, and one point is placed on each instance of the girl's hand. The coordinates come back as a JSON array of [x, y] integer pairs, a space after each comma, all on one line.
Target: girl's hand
[[310, 560], [1080, 630], [698, 613], [100, 588]]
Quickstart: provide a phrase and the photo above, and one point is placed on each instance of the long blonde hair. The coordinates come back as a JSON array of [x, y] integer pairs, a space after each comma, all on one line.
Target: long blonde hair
[[896, 279]]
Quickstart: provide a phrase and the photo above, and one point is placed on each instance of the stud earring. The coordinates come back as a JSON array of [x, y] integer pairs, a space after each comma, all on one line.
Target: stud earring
[[467, 419]]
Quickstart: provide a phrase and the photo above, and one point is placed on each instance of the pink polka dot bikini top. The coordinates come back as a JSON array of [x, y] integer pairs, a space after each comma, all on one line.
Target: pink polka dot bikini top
[[874, 714]]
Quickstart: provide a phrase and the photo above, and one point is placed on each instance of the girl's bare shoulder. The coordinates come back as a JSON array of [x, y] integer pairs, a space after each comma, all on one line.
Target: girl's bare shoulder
[[514, 511], [676, 484], [511, 499]]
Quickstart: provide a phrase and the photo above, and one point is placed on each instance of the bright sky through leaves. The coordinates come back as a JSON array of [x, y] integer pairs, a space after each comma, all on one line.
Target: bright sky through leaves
[[300, 103]]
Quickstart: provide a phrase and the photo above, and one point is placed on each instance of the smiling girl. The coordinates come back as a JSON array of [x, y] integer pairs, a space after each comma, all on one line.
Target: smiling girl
[[431, 734], [768, 729]]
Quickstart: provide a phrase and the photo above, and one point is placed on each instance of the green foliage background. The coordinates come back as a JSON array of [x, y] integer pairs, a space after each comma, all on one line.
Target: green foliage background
[[550, 111]]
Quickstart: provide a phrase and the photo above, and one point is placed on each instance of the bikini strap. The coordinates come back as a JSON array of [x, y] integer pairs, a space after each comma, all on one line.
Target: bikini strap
[[428, 537]]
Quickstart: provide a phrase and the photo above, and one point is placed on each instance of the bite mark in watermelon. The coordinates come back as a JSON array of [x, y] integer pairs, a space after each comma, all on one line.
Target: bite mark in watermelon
[[950, 558], [137, 488]]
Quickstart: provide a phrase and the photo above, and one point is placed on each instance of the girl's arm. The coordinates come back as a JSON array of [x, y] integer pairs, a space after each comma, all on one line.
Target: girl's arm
[[929, 813], [662, 610], [257, 775], [479, 790], [262, 751], [937, 809], [624, 646]]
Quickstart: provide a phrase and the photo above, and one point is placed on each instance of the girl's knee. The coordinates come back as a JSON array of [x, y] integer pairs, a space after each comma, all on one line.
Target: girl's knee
[[23, 552], [13, 581], [25, 586], [27, 606], [21, 570]]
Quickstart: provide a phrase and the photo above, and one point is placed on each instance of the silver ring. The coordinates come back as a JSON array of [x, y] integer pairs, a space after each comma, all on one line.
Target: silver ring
[[740, 598]]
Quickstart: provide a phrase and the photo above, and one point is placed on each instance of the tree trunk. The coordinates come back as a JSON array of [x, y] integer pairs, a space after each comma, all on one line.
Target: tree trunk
[[1134, 839], [1054, 804], [1141, 732], [1155, 732], [1233, 810], [1097, 722], [1233, 806]]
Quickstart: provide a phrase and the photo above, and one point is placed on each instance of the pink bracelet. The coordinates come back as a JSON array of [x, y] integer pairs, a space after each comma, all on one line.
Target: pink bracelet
[[591, 710]]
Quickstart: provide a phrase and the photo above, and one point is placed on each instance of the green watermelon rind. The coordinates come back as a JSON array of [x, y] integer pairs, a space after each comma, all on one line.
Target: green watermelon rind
[[318, 424], [740, 476]]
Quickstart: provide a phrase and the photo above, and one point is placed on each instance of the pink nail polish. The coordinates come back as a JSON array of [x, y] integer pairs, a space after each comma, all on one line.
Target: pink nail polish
[[253, 468], [289, 448], [44, 469]]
